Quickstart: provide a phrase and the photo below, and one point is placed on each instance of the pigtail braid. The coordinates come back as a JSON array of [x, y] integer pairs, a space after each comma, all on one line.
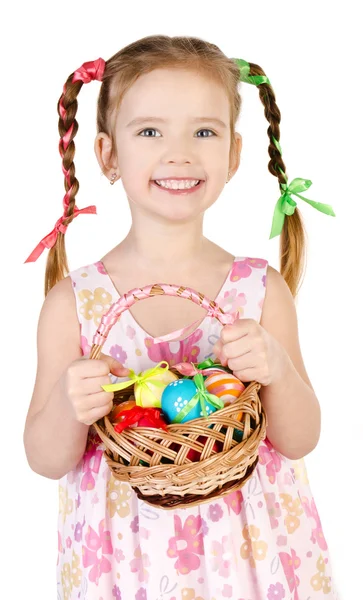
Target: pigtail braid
[[293, 235], [57, 263]]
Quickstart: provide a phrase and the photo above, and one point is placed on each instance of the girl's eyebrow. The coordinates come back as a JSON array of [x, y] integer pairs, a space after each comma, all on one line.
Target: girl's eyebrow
[[140, 120]]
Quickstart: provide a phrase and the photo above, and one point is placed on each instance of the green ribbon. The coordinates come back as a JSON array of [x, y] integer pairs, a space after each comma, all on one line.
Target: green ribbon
[[206, 364], [285, 204], [141, 381], [244, 69], [201, 395]]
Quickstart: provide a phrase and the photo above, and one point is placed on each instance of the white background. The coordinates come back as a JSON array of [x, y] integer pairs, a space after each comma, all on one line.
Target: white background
[[312, 54]]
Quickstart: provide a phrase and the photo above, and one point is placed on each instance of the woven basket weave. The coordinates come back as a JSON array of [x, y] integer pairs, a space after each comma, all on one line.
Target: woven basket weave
[[167, 478]]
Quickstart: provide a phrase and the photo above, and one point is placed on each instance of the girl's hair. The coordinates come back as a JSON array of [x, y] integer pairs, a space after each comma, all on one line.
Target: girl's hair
[[121, 71]]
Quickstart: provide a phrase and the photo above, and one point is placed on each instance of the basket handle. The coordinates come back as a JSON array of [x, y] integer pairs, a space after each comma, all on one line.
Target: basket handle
[[127, 300]]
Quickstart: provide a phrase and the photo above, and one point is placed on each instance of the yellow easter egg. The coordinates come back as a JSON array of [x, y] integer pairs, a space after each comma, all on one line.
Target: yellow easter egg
[[149, 393]]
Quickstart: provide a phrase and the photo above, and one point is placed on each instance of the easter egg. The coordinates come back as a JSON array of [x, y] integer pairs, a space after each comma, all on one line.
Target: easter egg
[[176, 396], [149, 393], [225, 386], [117, 410]]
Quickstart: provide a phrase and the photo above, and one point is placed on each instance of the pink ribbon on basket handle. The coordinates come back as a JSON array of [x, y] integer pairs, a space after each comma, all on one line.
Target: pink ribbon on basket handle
[[125, 301], [225, 318]]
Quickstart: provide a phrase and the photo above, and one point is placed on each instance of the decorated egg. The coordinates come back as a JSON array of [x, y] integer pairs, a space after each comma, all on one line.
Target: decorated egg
[[225, 386], [184, 399], [116, 413], [148, 392], [148, 385], [140, 417]]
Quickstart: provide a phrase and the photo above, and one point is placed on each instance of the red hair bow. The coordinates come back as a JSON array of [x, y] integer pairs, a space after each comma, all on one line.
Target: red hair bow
[[90, 71]]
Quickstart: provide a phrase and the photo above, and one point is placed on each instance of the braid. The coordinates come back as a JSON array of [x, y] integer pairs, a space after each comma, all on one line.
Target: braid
[[57, 264], [293, 237]]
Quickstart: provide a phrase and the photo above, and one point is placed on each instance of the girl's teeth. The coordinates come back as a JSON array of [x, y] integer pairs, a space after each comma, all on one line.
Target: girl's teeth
[[176, 185]]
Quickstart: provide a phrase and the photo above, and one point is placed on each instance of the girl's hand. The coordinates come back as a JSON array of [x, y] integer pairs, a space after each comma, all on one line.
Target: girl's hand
[[251, 352], [82, 385]]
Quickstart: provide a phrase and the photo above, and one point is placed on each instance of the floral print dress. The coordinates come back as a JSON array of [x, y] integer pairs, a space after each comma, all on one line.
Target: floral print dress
[[262, 542]]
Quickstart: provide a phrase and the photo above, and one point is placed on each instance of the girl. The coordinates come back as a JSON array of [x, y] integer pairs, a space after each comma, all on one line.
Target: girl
[[264, 541]]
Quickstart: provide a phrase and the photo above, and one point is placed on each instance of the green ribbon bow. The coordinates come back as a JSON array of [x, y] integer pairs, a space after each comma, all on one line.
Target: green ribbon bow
[[244, 69], [201, 395], [141, 380], [286, 205]]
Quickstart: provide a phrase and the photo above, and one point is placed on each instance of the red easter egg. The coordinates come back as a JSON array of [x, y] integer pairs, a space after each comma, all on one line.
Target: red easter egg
[[115, 415]]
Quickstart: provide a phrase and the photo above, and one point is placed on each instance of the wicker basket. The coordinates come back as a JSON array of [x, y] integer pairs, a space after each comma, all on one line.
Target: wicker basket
[[166, 478]]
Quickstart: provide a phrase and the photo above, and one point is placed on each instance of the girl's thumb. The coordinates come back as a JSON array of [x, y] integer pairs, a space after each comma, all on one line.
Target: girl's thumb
[[116, 368]]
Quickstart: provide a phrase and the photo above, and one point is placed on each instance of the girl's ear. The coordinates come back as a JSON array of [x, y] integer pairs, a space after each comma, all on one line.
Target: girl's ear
[[105, 158], [236, 156]]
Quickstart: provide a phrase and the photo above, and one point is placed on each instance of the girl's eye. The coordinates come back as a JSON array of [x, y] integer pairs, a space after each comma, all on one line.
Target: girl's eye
[[152, 129]]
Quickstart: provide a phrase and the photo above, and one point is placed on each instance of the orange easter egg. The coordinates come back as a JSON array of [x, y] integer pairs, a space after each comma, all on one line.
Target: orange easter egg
[[120, 408], [225, 386]]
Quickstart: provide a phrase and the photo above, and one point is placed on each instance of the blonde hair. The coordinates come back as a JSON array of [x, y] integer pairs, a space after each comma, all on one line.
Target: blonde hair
[[121, 71]]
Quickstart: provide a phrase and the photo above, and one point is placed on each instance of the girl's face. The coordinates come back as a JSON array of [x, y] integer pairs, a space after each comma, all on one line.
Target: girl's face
[[178, 137]]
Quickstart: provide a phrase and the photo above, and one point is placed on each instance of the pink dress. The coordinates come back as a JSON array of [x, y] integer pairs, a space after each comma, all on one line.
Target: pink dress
[[262, 542]]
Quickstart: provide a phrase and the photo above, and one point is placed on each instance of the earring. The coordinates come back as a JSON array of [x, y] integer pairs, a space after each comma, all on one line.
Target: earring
[[113, 178], [229, 176]]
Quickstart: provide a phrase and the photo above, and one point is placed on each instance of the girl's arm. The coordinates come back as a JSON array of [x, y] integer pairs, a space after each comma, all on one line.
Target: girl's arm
[[292, 408], [54, 440]]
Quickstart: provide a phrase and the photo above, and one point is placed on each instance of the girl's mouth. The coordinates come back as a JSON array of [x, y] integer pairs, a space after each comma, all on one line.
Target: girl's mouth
[[179, 192]]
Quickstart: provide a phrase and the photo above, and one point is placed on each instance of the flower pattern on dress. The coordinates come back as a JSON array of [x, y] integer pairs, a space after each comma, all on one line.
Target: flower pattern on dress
[[291, 562], [71, 575], [233, 301], [320, 581], [118, 496], [222, 556], [294, 510], [94, 304], [243, 268], [188, 349], [317, 535], [253, 549], [269, 457], [94, 551], [273, 508], [276, 592], [187, 545], [234, 501], [139, 563]]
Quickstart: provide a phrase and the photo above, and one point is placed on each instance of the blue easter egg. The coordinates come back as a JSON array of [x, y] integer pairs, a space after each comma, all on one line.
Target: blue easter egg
[[176, 396]]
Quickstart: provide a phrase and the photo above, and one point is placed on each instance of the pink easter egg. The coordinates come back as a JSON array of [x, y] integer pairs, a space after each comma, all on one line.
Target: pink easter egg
[[225, 386]]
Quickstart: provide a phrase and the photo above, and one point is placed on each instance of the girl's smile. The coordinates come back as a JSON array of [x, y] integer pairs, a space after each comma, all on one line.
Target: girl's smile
[[178, 192]]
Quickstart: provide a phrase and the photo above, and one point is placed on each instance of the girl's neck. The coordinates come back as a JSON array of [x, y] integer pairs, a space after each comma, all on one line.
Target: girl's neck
[[183, 244]]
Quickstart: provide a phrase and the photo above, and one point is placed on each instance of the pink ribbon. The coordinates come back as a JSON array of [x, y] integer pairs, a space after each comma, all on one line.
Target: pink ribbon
[[49, 240], [225, 319], [189, 370], [87, 72], [90, 71]]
